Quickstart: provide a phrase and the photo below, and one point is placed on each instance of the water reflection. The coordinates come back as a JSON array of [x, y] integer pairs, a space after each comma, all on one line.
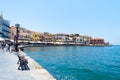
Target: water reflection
[[33, 49]]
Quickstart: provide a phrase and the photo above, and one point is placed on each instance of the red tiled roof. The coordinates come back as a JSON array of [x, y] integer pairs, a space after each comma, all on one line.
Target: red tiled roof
[[96, 39]]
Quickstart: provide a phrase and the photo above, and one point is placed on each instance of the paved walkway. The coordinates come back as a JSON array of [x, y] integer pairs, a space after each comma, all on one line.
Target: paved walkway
[[8, 69]]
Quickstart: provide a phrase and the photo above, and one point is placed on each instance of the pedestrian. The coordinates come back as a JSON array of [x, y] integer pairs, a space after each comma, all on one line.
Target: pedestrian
[[3, 45], [0, 45]]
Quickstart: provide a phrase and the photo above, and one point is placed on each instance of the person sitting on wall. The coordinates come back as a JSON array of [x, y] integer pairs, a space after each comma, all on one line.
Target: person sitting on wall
[[23, 63]]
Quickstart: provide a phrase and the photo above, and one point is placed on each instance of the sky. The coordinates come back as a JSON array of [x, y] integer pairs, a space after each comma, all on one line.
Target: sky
[[95, 18]]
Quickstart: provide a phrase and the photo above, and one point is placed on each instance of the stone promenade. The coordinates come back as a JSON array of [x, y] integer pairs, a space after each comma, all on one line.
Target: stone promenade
[[8, 68]]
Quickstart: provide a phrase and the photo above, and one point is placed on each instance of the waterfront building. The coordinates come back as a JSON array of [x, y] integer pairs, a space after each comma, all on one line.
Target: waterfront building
[[70, 39], [61, 37], [4, 28], [87, 39], [35, 36], [74, 37], [46, 37], [13, 32], [79, 39], [24, 34], [97, 41]]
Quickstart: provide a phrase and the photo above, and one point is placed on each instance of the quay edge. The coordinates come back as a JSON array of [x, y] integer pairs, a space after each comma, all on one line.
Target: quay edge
[[37, 71]]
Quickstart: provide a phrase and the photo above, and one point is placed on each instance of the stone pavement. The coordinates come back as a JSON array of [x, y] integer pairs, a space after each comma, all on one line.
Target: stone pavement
[[8, 69]]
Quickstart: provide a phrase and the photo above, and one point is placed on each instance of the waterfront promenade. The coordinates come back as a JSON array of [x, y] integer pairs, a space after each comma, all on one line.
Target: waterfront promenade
[[8, 69]]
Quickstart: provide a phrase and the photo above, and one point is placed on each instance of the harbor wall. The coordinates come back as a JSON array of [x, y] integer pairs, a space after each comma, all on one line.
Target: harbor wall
[[37, 71]]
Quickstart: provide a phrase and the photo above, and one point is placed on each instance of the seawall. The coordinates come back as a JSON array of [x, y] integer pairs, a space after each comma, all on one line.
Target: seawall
[[36, 70]]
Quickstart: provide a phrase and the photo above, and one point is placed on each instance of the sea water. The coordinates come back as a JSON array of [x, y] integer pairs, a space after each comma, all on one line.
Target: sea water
[[79, 62]]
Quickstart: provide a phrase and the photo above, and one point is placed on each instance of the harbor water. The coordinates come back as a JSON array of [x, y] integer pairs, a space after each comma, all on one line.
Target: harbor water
[[78, 62]]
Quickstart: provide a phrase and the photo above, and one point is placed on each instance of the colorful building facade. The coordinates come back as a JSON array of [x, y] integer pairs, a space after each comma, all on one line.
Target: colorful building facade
[[97, 41], [24, 34]]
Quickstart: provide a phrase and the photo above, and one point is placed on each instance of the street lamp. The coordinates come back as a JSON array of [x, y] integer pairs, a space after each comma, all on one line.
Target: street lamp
[[16, 37]]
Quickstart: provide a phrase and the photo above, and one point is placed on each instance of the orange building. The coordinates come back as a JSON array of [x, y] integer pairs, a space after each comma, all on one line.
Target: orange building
[[13, 32], [97, 41]]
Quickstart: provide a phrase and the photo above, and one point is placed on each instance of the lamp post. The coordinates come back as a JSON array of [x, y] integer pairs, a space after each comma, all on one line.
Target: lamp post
[[16, 37]]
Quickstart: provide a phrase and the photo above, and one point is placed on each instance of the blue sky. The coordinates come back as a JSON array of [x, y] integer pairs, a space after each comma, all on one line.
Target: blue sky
[[96, 18]]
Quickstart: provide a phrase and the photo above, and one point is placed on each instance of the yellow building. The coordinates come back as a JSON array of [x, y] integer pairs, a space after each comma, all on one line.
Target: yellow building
[[35, 36]]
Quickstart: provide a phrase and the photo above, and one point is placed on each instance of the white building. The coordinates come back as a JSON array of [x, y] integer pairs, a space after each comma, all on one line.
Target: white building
[[79, 39], [87, 39], [61, 37]]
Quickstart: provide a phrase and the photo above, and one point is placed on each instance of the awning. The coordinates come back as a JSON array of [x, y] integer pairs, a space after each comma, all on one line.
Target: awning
[[2, 39]]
